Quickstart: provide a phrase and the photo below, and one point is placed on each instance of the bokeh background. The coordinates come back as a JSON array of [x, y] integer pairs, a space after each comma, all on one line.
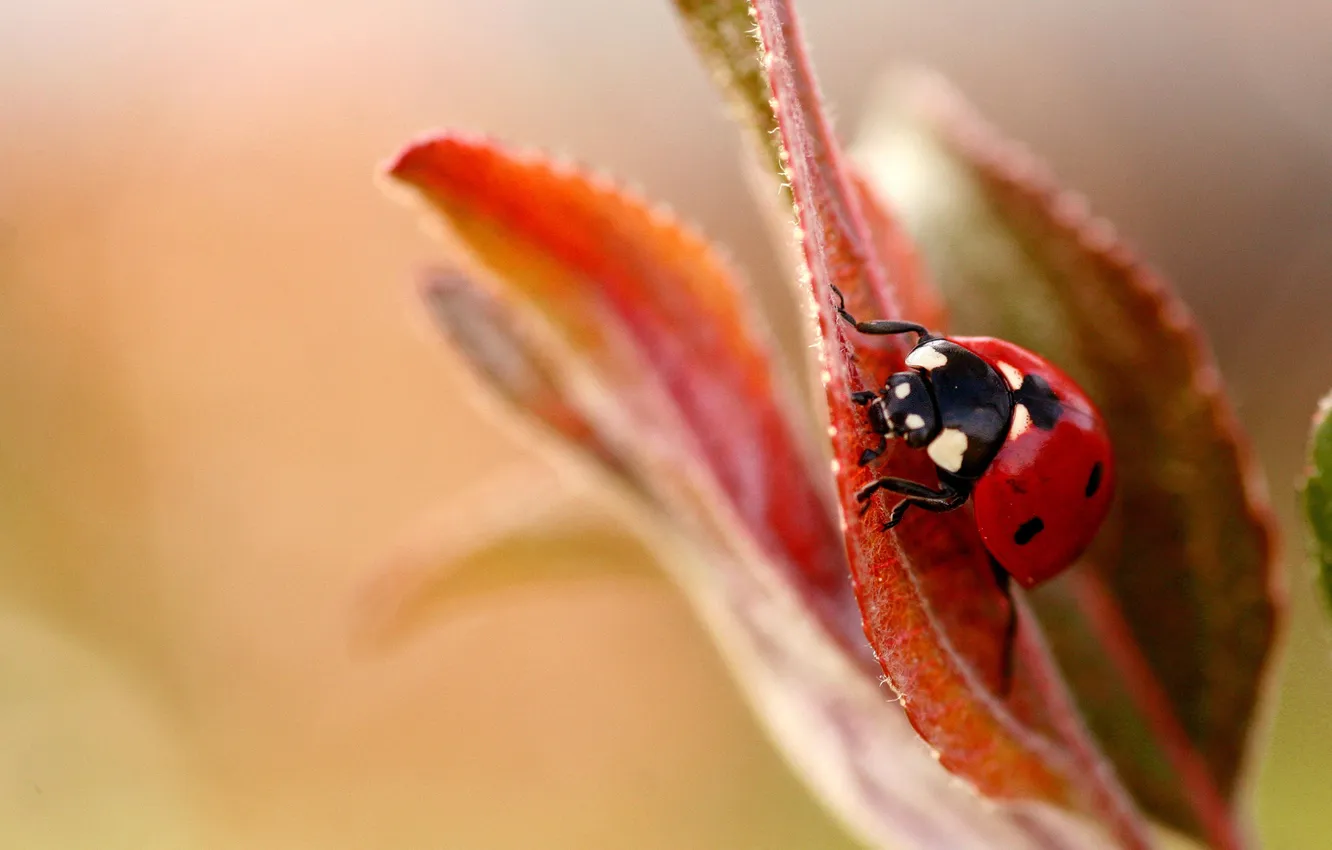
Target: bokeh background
[[223, 415]]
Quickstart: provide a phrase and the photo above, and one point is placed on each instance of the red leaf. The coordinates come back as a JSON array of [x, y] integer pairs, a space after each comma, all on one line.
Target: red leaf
[[1165, 634], [659, 311], [1050, 759]]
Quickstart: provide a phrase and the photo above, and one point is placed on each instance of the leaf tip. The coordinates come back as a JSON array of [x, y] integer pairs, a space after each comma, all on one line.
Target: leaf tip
[[426, 155]]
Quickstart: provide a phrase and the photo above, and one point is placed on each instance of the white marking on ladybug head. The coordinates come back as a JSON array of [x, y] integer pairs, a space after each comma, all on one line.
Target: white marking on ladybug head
[[947, 449], [1021, 421], [902, 390], [1011, 374], [915, 421], [926, 357]]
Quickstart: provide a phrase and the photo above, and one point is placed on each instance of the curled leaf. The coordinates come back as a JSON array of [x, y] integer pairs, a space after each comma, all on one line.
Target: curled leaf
[[1318, 497], [1165, 632]]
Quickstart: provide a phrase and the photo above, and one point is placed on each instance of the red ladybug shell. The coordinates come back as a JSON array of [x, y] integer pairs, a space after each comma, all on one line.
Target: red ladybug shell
[[1044, 496]]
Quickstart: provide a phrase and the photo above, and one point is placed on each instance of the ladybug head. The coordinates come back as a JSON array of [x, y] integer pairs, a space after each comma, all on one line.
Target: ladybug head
[[907, 410]]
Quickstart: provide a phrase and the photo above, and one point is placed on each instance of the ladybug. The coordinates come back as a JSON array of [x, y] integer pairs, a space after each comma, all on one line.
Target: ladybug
[[1006, 429]]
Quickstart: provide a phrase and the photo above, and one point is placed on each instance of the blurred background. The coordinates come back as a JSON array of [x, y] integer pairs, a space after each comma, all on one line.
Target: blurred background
[[224, 414]]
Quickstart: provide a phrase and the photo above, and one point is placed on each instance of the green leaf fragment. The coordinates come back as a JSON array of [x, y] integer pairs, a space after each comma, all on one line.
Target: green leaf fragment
[[1318, 497]]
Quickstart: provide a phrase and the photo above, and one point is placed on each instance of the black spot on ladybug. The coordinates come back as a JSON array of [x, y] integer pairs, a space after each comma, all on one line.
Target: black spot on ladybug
[[1028, 530], [1094, 480], [1040, 401]]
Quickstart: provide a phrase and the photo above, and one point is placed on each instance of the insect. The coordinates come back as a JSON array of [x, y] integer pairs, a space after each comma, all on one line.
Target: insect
[[1004, 428]]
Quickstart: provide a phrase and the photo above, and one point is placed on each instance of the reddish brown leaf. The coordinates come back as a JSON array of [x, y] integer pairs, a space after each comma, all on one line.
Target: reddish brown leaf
[[1048, 757], [1165, 633]]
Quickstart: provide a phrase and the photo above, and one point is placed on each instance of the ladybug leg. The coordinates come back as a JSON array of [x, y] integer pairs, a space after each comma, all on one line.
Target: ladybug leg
[[878, 422], [881, 326], [902, 486], [946, 498], [1005, 583], [869, 455], [895, 515], [937, 506]]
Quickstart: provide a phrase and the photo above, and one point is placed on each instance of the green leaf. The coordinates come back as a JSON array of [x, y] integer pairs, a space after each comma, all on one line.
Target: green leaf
[[723, 33], [1318, 496]]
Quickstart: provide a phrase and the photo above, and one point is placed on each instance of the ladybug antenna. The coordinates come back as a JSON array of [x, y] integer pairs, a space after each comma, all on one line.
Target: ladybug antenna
[[881, 326]]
